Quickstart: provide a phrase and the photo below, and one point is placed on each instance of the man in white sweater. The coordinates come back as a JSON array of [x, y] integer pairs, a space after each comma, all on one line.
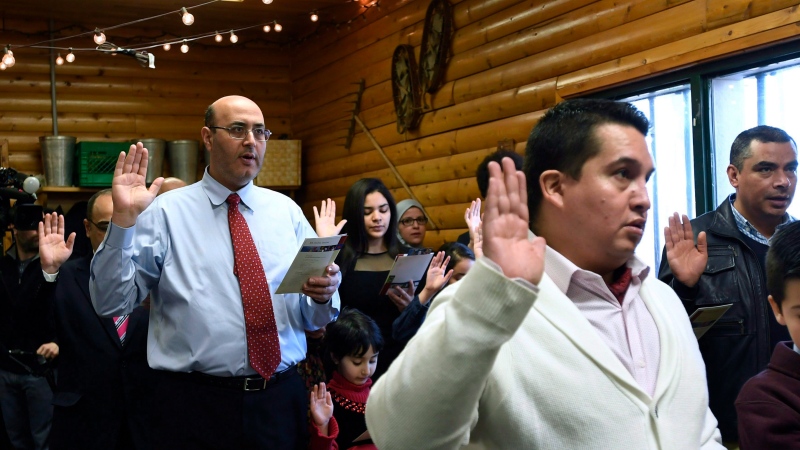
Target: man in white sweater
[[569, 345]]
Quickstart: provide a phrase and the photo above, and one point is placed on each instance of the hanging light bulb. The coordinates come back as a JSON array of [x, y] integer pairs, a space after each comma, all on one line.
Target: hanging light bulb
[[267, 2], [267, 28], [314, 16], [278, 27], [2, 66], [99, 36], [234, 37], [59, 60], [218, 37], [186, 17], [70, 56], [185, 47], [167, 47], [8, 57]]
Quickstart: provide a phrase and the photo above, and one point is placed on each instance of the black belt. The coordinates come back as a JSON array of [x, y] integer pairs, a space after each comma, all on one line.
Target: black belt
[[250, 383]]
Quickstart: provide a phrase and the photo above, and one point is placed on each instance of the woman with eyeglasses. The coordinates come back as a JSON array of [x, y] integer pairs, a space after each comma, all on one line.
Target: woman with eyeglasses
[[411, 223]]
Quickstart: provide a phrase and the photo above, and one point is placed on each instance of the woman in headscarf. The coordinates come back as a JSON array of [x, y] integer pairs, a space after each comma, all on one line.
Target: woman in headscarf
[[411, 223]]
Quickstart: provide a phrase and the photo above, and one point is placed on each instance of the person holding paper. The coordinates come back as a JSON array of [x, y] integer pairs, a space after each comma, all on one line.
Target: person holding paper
[[726, 265], [211, 255], [569, 346], [367, 258]]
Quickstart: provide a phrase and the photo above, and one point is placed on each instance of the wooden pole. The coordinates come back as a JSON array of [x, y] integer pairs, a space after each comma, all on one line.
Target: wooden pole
[[391, 166]]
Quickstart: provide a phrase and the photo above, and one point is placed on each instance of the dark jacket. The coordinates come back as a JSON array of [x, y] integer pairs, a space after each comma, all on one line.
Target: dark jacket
[[25, 311], [102, 386], [769, 404], [738, 346]]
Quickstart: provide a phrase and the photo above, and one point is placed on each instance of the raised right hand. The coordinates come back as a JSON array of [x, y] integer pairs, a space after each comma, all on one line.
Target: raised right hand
[[505, 225], [436, 277], [129, 191], [53, 249], [686, 260], [321, 407], [474, 220], [325, 219]]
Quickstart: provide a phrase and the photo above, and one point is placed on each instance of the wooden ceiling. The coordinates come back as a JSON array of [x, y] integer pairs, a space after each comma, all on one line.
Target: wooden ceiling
[[220, 15]]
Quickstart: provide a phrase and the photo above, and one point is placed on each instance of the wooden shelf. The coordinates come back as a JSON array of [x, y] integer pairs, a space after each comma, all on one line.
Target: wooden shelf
[[70, 189]]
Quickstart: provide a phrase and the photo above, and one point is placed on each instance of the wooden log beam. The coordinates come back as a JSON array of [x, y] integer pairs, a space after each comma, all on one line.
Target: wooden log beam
[[743, 36], [671, 25]]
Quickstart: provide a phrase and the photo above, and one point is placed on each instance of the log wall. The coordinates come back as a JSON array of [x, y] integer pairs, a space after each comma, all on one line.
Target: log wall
[[112, 98], [510, 61]]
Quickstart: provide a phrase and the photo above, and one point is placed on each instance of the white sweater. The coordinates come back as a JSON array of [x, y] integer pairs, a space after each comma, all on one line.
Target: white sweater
[[494, 365]]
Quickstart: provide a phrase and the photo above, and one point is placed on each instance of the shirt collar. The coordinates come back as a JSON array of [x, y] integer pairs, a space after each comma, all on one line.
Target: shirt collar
[[218, 193], [562, 271], [749, 230]]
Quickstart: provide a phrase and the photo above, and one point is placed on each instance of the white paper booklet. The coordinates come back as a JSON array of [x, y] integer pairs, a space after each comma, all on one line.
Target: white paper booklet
[[313, 257], [407, 268], [704, 318]]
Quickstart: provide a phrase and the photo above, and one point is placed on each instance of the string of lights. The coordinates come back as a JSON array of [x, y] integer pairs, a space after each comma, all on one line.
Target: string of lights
[[8, 59]]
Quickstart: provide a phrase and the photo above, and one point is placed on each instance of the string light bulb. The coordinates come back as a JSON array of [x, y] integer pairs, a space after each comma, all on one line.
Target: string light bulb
[[167, 46], [314, 16], [99, 37], [3, 66], [278, 27], [267, 2], [186, 17], [234, 37], [70, 56], [8, 57], [218, 37], [59, 60], [267, 28], [185, 47]]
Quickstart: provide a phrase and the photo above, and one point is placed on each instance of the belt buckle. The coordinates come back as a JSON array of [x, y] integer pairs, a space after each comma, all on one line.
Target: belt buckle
[[255, 386]]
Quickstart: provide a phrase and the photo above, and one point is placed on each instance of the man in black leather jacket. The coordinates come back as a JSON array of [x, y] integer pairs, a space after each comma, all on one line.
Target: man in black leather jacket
[[727, 265]]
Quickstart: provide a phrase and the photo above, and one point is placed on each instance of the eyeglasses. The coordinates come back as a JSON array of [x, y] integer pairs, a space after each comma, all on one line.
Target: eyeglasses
[[408, 221], [102, 226], [238, 132]]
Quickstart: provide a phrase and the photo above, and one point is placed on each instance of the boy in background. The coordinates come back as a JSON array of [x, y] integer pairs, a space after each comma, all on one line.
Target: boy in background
[[768, 405]]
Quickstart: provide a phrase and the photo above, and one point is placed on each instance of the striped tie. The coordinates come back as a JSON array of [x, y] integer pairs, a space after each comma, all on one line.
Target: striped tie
[[121, 322]]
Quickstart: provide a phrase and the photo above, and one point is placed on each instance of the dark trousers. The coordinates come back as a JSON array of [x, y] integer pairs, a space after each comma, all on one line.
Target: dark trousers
[[195, 416]]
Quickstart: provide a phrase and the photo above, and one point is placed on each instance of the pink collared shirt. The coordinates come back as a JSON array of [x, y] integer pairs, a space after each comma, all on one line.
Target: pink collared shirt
[[628, 328]]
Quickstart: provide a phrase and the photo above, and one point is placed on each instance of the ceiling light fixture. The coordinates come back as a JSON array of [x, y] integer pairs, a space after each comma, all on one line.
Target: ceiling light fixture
[[234, 37], [167, 46], [278, 27], [185, 47], [314, 16], [70, 56], [267, 28], [59, 60], [99, 37], [186, 17], [217, 37], [8, 57]]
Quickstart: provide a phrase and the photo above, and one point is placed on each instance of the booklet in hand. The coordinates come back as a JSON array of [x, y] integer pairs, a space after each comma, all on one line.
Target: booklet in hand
[[704, 318], [407, 268], [313, 257]]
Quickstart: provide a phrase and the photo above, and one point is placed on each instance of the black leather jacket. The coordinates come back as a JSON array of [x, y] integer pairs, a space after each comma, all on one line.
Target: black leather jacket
[[738, 346]]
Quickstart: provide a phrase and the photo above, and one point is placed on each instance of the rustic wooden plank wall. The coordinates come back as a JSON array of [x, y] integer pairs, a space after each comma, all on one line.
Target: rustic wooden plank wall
[[113, 98], [510, 61]]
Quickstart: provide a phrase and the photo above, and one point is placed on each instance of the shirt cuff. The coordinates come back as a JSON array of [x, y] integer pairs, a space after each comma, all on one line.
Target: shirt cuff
[[120, 237], [50, 277], [521, 281]]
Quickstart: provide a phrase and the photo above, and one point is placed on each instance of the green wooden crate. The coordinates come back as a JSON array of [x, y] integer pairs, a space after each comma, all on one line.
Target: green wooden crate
[[95, 162]]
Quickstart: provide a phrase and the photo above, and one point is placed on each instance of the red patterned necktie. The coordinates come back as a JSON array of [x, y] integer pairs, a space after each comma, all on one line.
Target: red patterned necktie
[[263, 347], [121, 322]]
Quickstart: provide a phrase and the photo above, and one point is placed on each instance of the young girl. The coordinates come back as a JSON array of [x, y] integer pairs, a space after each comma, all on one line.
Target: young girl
[[352, 344]]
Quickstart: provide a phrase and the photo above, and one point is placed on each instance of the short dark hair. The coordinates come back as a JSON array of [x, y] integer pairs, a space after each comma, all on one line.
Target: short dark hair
[[457, 253], [783, 260], [482, 174], [564, 139], [352, 334], [353, 212], [209, 119], [740, 149], [92, 200]]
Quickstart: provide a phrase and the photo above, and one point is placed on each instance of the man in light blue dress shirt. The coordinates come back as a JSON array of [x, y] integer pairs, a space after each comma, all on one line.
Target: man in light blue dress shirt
[[177, 248]]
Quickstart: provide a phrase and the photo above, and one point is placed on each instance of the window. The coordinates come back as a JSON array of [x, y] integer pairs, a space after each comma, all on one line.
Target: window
[[768, 95], [671, 187]]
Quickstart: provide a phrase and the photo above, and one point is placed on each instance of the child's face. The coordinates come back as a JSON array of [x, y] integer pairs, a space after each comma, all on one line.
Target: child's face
[[460, 269], [788, 314], [358, 369]]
